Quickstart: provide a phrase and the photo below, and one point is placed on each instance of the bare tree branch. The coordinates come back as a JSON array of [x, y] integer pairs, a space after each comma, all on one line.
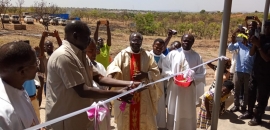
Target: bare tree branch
[[4, 5], [19, 4], [53, 9], [40, 7]]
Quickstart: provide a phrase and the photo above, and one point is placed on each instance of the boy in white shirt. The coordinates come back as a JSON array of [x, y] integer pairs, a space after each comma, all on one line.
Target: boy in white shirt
[[158, 46]]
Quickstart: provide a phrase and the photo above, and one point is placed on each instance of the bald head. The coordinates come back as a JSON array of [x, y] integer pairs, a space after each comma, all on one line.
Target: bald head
[[77, 26], [187, 41], [136, 34], [135, 40], [78, 34], [15, 54]]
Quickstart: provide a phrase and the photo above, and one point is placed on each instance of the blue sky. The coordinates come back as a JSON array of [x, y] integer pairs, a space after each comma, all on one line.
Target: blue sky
[[160, 5]]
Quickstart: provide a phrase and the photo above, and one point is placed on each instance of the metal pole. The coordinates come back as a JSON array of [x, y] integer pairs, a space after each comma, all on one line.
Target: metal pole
[[220, 68], [265, 15]]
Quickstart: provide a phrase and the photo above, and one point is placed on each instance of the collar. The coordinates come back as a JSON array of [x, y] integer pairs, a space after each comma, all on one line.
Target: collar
[[187, 51], [3, 93], [71, 47], [152, 52], [180, 49], [47, 55], [5, 90], [94, 63]]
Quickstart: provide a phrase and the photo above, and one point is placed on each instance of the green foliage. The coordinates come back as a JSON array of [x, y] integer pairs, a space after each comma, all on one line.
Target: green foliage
[[145, 23], [202, 11], [204, 25]]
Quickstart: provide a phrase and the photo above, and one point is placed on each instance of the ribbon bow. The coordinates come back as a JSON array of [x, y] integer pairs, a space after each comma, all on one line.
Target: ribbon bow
[[98, 113], [189, 74], [123, 104]]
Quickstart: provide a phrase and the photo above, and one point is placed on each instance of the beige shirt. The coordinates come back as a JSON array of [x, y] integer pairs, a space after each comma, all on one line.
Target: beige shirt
[[67, 67]]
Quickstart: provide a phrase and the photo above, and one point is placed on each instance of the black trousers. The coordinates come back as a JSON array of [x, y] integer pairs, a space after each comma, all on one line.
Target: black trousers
[[262, 97], [252, 94]]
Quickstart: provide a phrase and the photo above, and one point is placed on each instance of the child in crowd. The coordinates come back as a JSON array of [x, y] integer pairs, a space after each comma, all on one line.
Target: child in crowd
[[158, 46], [226, 76], [204, 118], [226, 72]]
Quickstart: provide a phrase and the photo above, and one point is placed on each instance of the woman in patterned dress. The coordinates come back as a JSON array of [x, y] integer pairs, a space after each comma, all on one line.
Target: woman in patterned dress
[[226, 76], [204, 118]]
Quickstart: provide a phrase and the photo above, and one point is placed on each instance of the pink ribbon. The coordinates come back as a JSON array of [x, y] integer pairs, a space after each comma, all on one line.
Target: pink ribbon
[[98, 113], [123, 106]]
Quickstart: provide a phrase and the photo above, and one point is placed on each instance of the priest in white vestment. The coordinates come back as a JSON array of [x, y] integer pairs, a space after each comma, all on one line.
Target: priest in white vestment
[[182, 101], [134, 63]]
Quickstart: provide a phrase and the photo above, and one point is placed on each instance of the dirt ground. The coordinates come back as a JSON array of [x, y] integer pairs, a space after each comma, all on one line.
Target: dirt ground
[[208, 49]]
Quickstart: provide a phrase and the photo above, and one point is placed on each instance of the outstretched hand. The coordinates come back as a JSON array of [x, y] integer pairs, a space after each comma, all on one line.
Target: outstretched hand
[[98, 23], [45, 34], [139, 75], [255, 41], [108, 23], [233, 39], [127, 98], [170, 33], [256, 18], [56, 34]]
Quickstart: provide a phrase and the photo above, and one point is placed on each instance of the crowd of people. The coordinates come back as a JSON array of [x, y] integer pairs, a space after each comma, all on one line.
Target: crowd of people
[[80, 72]]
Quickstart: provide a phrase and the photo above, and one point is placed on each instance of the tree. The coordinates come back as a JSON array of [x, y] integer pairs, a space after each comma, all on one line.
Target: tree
[[40, 8], [4, 5], [145, 23], [53, 9], [19, 4], [202, 11], [12, 10]]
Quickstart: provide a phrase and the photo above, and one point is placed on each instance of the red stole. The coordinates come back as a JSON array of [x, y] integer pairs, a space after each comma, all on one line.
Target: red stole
[[134, 117]]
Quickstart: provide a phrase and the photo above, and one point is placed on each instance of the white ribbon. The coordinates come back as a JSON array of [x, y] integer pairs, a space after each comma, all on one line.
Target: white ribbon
[[116, 97]]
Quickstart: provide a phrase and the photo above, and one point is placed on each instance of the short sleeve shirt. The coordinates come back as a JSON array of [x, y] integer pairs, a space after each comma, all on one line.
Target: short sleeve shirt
[[104, 56], [30, 87], [166, 52], [68, 67], [210, 96]]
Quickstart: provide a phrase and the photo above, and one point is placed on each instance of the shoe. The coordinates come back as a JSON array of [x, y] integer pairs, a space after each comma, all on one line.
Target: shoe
[[234, 109], [253, 122], [243, 109], [246, 115]]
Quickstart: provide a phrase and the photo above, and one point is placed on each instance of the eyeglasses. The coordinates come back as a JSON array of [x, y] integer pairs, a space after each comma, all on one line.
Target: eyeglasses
[[36, 64]]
